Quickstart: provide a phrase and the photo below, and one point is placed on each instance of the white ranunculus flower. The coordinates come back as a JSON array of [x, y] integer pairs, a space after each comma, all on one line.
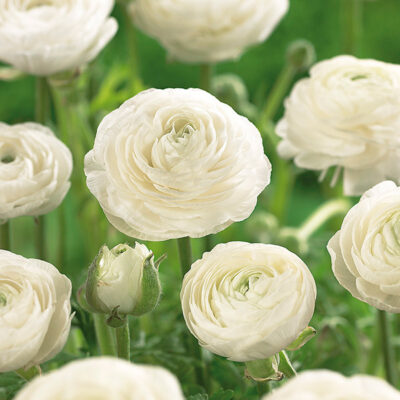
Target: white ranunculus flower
[[125, 279], [248, 301], [35, 311], [35, 168], [104, 378], [208, 30], [347, 115], [366, 251], [175, 162], [44, 37], [329, 385]]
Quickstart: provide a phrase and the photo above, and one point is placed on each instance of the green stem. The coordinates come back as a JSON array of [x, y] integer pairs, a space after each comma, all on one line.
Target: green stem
[[42, 105], [130, 31], [30, 373], [206, 71], [185, 257], [5, 235], [208, 243], [61, 237], [40, 237], [123, 341], [104, 335], [185, 254], [352, 21], [387, 348], [277, 94], [324, 213], [262, 388]]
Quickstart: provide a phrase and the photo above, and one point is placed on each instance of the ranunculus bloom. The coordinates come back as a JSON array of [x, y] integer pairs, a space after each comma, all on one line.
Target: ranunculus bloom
[[125, 279], [35, 311], [208, 30], [104, 378], [328, 385], [346, 115], [35, 168], [248, 301], [366, 251], [44, 37], [175, 162]]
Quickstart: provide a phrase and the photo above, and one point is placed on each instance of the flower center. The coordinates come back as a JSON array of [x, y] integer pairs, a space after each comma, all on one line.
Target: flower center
[[3, 300], [7, 159]]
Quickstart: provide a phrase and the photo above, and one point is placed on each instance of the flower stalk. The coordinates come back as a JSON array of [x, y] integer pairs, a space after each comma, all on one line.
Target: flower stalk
[[5, 233], [206, 72], [387, 348], [352, 22], [123, 340], [104, 335]]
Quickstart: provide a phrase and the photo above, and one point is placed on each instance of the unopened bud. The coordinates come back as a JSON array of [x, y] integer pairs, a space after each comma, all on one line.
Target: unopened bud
[[301, 55], [123, 281]]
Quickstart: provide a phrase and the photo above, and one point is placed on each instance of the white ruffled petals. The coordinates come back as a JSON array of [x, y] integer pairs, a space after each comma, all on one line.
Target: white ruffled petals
[[248, 301], [175, 162], [329, 385], [104, 378], [208, 31], [35, 168], [366, 251], [346, 115], [46, 37], [35, 311]]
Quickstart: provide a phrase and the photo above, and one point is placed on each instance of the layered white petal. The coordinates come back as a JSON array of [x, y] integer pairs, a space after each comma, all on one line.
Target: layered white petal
[[208, 31], [104, 378], [247, 301], [346, 114], [35, 168], [35, 311], [47, 37], [366, 251], [329, 385], [175, 162]]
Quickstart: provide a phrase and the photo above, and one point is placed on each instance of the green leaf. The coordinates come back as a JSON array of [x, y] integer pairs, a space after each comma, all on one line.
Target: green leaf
[[223, 395]]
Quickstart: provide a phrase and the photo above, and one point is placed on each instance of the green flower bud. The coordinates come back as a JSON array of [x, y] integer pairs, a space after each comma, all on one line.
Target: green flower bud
[[301, 55], [123, 281]]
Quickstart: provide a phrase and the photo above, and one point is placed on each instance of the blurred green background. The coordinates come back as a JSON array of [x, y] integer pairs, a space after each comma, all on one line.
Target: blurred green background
[[347, 339]]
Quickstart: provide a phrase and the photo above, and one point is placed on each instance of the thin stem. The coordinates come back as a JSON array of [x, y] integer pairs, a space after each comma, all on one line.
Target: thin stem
[[30, 373], [278, 93], [324, 213], [185, 254], [123, 341], [61, 237], [42, 104], [104, 335], [185, 257], [5, 236], [352, 21], [262, 388], [132, 49], [40, 237], [387, 349], [208, 243], [206, 71]]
